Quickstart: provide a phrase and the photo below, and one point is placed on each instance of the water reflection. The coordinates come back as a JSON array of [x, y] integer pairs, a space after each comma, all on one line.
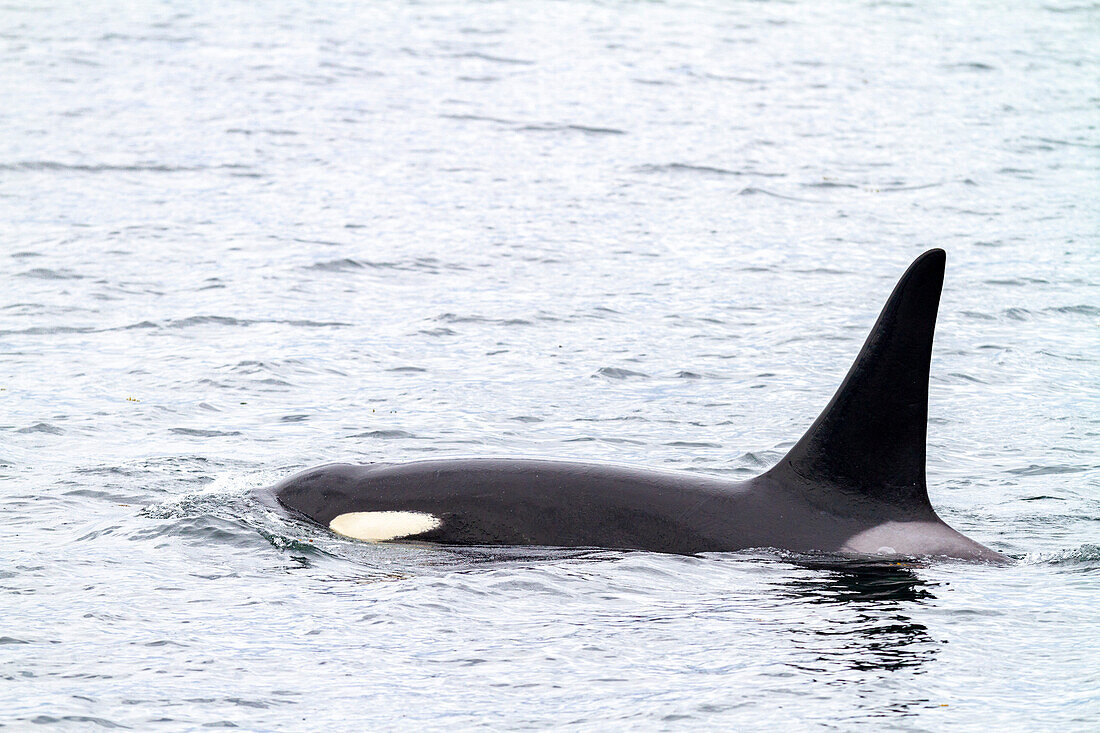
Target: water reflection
[[858, 581], [858, 615]]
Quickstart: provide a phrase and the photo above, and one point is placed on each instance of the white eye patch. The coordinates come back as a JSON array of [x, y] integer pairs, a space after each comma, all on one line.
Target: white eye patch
[[382, 526]]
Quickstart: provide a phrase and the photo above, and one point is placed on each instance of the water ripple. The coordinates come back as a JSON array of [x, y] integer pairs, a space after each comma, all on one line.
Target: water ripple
[[378, 233]]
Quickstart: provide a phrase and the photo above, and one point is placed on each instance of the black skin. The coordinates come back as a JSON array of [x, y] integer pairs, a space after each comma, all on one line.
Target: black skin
[[854, 484], [558, 504], [532, 502]]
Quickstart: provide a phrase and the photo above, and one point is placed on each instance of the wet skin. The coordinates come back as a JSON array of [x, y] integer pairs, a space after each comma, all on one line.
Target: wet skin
[[853, 484]]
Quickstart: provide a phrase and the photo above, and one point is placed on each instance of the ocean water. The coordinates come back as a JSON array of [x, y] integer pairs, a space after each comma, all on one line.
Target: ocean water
[[239, 239]]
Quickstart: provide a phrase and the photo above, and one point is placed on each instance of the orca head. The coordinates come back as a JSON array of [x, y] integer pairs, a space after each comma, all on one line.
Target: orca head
[[327, 496], [320, 493]]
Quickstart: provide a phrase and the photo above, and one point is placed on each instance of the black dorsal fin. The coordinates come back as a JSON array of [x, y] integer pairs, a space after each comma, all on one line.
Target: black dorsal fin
[[869, 442]]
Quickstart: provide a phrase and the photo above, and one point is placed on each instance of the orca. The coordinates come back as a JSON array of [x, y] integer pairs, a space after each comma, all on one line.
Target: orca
[[854, 484]]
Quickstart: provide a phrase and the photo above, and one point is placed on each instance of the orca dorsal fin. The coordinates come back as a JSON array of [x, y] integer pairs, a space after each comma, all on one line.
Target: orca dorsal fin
[[869, 442]]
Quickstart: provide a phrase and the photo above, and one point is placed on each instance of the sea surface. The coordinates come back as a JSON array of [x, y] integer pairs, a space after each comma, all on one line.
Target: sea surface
[[238, 239]]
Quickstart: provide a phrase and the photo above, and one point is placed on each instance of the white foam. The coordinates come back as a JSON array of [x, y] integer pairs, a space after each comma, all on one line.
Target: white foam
[[382, 526]]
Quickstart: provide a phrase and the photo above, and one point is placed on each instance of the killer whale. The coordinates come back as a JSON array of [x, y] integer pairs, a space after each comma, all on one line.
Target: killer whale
[[853, 484]]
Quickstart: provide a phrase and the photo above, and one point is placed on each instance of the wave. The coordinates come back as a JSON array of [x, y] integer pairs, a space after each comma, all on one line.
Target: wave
[[1086, 557]]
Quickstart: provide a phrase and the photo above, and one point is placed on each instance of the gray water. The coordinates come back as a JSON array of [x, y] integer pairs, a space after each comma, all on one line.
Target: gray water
[[239, 239]]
